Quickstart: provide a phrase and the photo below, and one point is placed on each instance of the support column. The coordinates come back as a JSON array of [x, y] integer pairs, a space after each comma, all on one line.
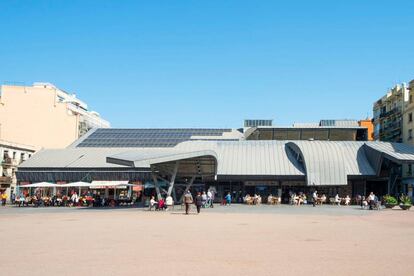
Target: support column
[[172, 182], [157, 188]]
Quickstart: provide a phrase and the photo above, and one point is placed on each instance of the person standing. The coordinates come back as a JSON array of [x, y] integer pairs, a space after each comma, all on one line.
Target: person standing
[[204, 197], [228, 198], [13, 198], [3, 199], [188, 200], [209, 200], [315, 198], [198, 202]]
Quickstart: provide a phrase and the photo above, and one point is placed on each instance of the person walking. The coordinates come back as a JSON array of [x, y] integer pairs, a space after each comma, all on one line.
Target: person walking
[[188, 200], [204, 197], [228, 198], [198, 202], [315, 198], [210, 198]]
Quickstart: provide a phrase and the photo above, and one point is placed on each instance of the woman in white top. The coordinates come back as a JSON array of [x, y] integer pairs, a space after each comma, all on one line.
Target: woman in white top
[[347, 200], [153, 203]]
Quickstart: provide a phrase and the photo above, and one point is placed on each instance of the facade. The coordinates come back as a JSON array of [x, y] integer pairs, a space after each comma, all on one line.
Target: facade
[[325, 130], [388, 114], [172, 160], [44, 116], [408, 128], [408, 122], [11, 155], [367, 123]]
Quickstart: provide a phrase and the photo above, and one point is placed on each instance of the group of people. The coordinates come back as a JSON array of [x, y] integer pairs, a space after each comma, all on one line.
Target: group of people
[[337, 200], [73, 199], [201, 200], [252, 200], [371, 201]]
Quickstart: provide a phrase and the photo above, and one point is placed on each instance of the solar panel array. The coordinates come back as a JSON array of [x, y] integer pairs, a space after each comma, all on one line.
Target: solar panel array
[[157, 137]]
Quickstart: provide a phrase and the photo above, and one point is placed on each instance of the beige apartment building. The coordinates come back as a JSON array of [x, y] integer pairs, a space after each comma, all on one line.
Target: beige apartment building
[[394, 122], [388, 114], [11, 155], [36, 117], [44, 116], [408, 128]]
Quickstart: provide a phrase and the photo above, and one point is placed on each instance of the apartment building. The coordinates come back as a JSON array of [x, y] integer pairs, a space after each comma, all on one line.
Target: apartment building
[[388, 114], [44, 116], [11, 155]]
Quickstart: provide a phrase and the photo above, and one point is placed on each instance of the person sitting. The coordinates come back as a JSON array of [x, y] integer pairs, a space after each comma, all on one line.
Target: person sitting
[[258, 200], [347, 200], [270, 199], [153, 203], [161, 204], [364, 202], [248, 199], [304, 199], [255, 199], [323, 199]]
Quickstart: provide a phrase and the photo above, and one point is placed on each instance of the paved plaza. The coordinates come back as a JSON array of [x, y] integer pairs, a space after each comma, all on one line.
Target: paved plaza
[[234, 240]]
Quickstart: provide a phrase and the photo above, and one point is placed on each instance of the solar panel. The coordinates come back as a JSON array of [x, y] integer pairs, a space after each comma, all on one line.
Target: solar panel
[[147, 137]]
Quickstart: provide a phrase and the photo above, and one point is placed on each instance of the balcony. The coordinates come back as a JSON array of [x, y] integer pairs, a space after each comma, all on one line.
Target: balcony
[[9, 162], [394, 111], [5, 180]]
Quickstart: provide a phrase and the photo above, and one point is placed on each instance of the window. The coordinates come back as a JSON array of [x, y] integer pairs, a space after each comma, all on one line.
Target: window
[[410, 134], [410, 169], [411, 98], [14, 155], [410, 117]]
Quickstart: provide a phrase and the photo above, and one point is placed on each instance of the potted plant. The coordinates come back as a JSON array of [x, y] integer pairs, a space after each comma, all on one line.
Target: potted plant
[[390, 201], [405, 202]]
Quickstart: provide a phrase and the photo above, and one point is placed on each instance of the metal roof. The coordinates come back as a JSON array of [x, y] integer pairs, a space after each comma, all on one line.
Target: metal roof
[[331, 162], [397, 152], [75, 158], [255, 158], [322, 162]]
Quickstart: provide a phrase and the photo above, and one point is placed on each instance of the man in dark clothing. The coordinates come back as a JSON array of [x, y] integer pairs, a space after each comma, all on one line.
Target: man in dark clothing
[[188, 200], [198, 202]]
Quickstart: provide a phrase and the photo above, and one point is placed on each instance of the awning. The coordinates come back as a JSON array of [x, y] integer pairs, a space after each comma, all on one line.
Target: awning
[[40, 185], [109, 183], [76, 184]]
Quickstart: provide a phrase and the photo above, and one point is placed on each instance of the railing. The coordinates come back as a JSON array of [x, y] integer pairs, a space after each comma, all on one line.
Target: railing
[[6, 180], [393, 111], [10, 162]]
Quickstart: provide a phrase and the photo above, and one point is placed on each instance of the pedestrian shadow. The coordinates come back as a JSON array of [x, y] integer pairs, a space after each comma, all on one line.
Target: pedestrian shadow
[[181, 213]]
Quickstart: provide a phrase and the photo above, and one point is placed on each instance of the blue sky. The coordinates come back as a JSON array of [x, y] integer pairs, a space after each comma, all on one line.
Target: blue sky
[[211, 63]]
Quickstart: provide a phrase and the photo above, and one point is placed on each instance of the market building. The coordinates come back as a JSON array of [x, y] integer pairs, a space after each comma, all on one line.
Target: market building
[[173, 160]]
